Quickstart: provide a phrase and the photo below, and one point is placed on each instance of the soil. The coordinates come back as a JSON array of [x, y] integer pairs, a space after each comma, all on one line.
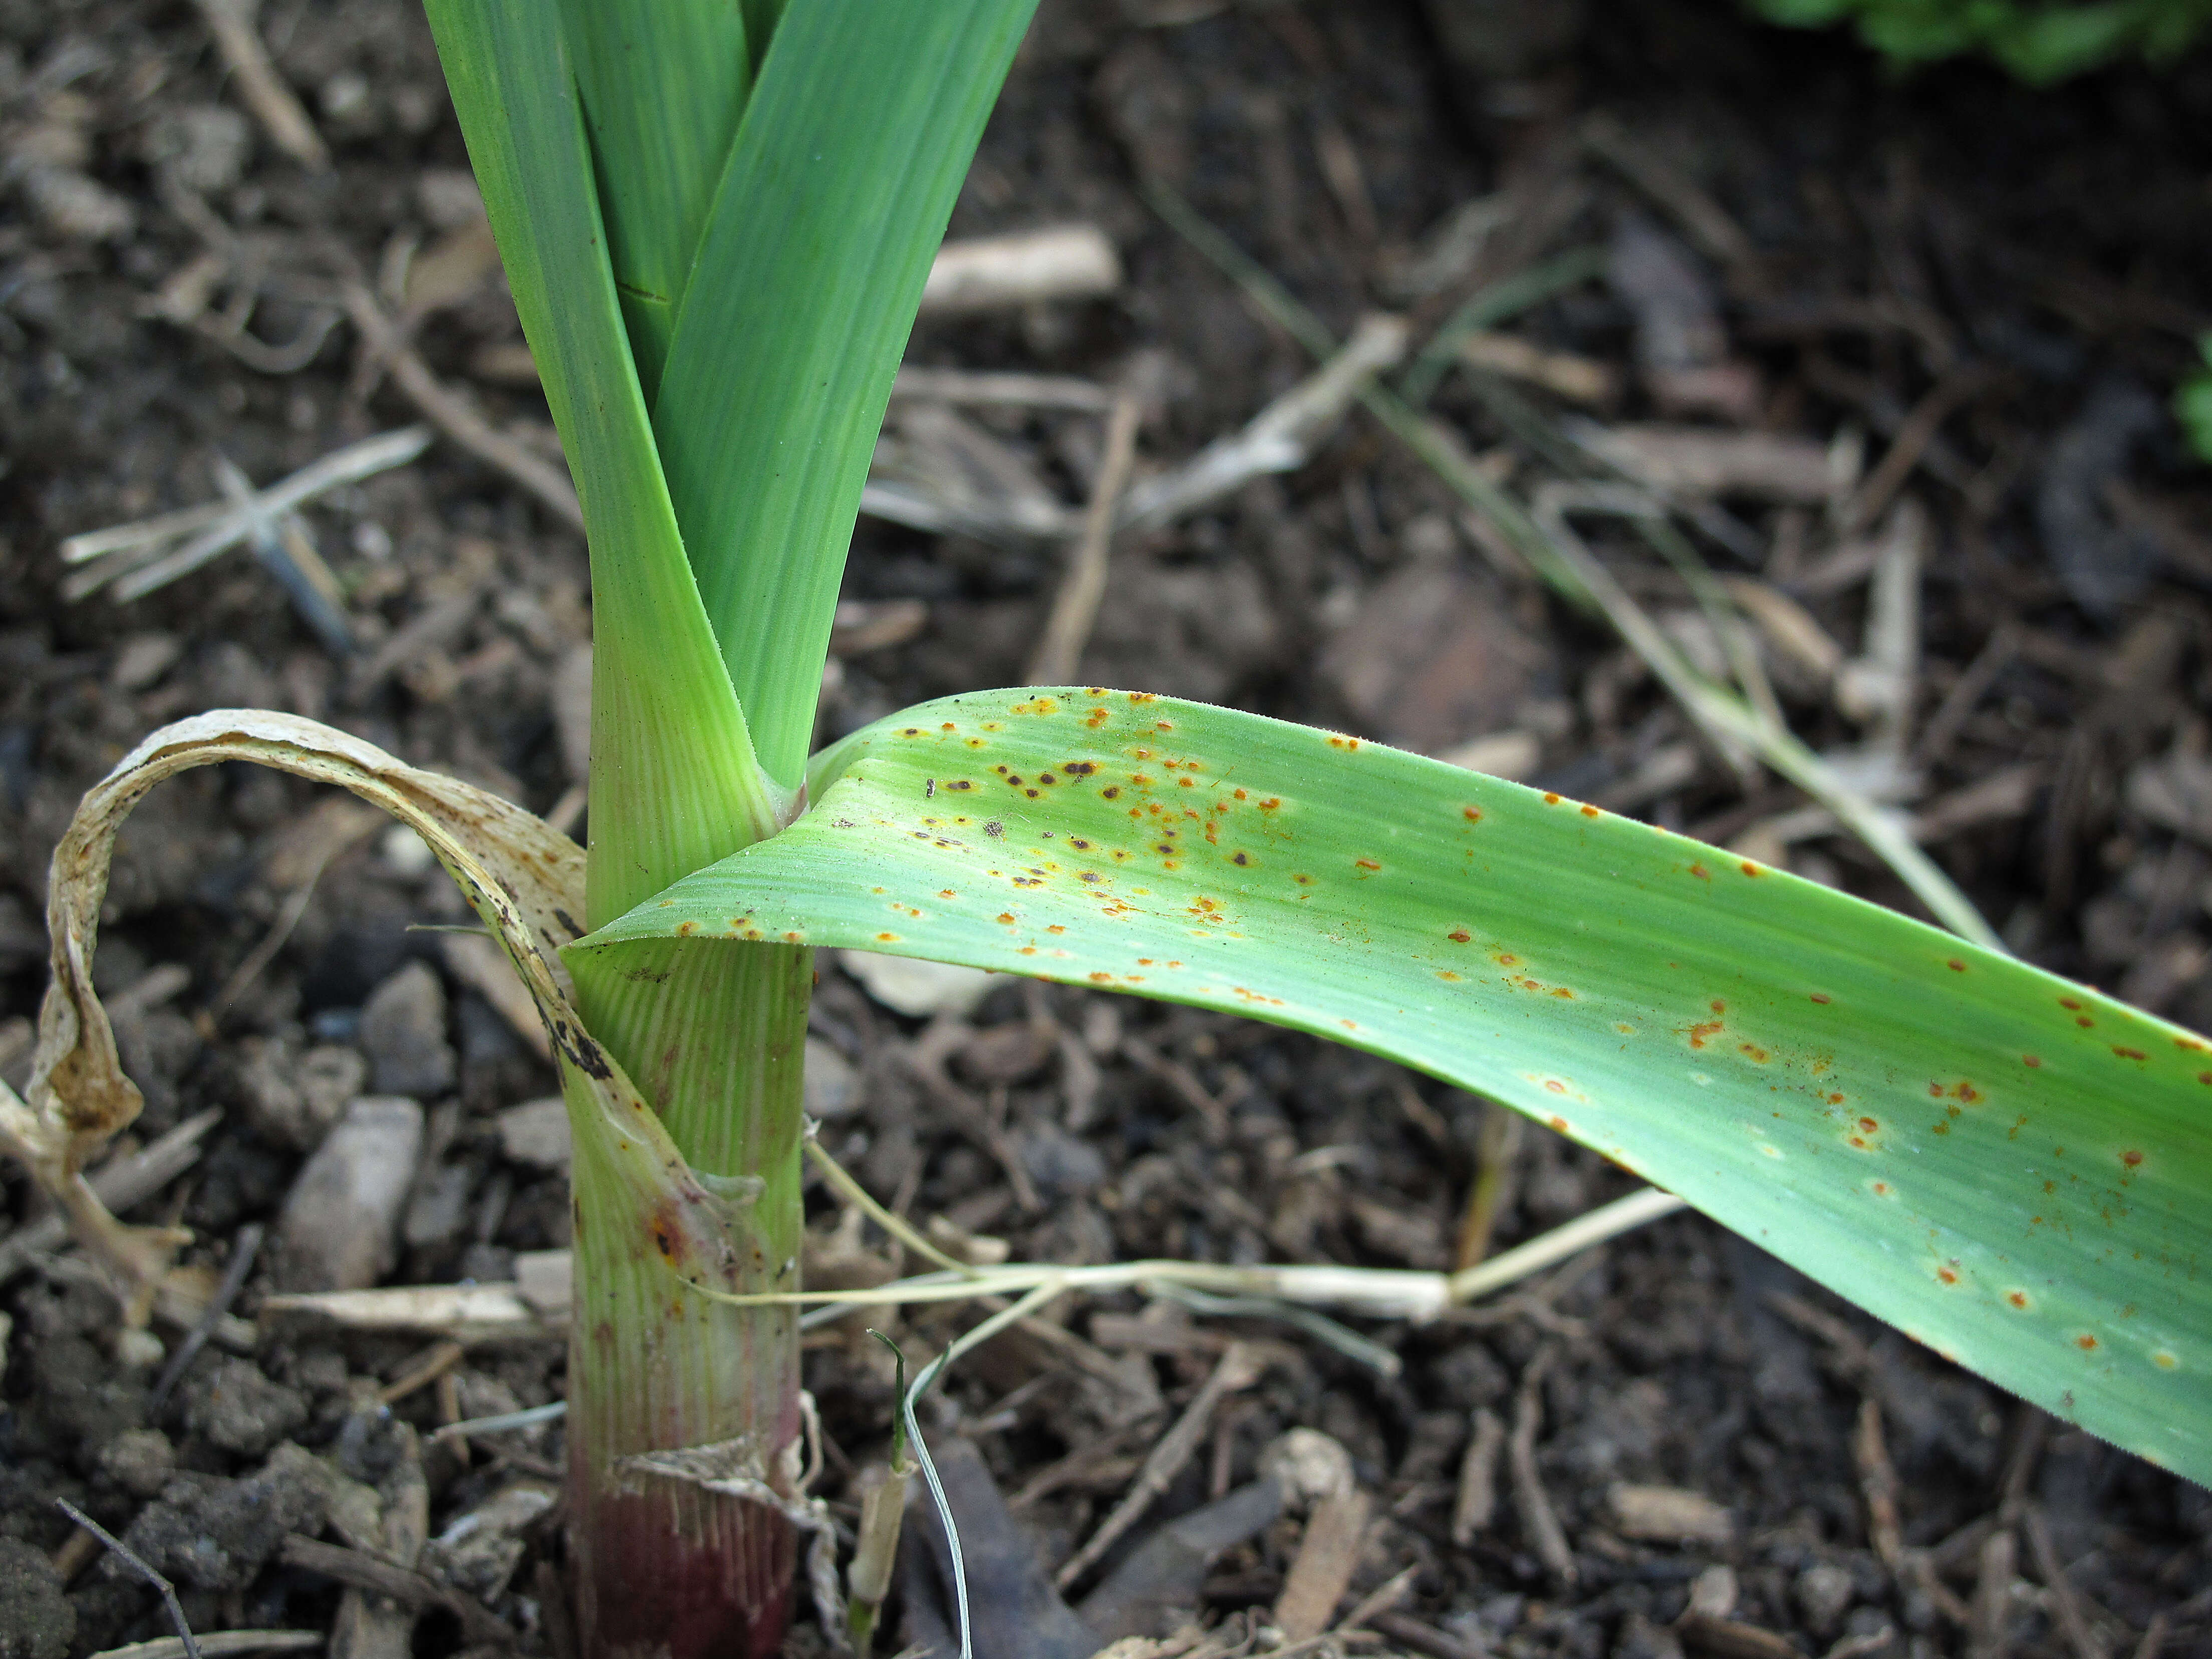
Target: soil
[[1996, 288]]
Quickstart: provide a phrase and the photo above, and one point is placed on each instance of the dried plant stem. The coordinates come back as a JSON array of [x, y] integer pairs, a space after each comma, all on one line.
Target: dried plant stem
[[1377, 1292], [1075, 607], [231, 23]]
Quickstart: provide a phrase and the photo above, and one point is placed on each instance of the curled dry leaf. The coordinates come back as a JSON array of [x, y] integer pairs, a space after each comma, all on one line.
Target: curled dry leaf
[[524, 879]]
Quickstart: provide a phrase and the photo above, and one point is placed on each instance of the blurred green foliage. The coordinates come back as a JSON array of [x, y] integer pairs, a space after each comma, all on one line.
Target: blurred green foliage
[[2192, 404], [2038, 41]]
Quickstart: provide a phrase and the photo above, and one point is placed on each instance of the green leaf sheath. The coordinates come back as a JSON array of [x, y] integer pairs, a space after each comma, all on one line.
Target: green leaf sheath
[[673, 782], [663, 87], [2011, 1167], [852, 149]]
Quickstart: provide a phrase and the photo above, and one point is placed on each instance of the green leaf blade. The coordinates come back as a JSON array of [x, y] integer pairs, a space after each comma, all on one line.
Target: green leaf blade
[[2012, 1168], [663, 88], [677, 786], [808, 275]]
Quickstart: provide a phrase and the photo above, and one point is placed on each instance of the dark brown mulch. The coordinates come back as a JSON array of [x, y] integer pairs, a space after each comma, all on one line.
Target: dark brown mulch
[[2002, 285]]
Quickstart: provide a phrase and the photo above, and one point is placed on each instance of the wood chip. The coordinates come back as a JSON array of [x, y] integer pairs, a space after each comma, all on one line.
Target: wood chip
[[1731, 1638], [1668, 1515], [1690, 460], [1328, 1556], [1476, 1500], [991, 273], [403, 1584]]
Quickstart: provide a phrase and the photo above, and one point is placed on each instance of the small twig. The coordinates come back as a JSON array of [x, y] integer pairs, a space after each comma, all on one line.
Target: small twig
[[143, 533], [1281, 436], [1710, 227], [440, 1358], [969, 1116], [1381, 1599], [403, 1584], [1075, 606], [1993, 1582], [454, 416], [121, 1553], [2068, 1600], [243, 1249], [1878, 1486], [235, 522], [1491, 305], [1476, 1499], [1415, 1637], [290, 126], [1539, 1523], [258, 958], [1239, 1368], [1184, 1082], [1003, 390], [287, 550], [1919, 430]]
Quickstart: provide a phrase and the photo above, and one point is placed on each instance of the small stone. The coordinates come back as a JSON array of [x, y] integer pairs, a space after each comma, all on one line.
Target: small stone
[[1013, 1053], [36, 1620], [479, 1551], [235, 1407], [337, 1229], [448, 197], [909, 985], [143, 659], [140, 1461], [1062, 1165], [404, 853], [439, 1208], [78, 207], [1713, 1592], [205, 146], [1309, 1466], [137, 1350], [217, 1534], [833, 1086], [545, 1279], [403, 1032], [535, 1132], [1668, 1515], [293, 1098], [1640, 1638], [1824, 1591]]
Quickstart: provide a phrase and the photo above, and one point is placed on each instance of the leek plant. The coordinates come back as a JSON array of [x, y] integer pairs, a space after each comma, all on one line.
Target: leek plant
[[716, 217]]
